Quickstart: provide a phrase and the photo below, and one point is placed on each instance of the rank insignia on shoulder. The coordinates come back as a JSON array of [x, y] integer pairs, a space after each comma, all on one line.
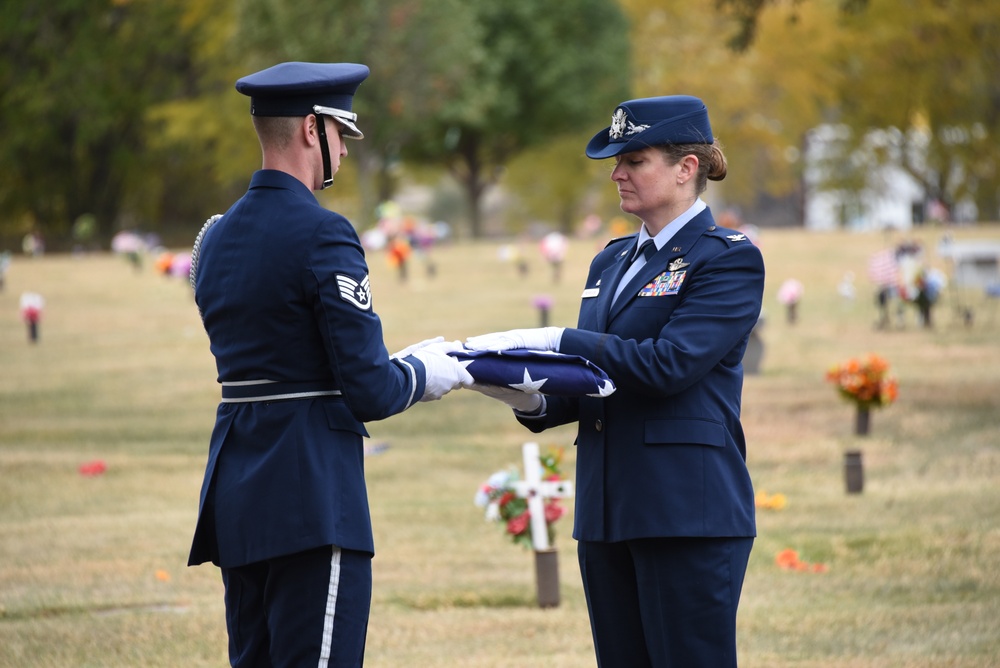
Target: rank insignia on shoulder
[[679, 263], [736, 237], [355, 293]]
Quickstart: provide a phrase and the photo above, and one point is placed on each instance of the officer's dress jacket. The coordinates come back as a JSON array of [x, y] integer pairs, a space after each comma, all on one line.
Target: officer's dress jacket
[[288, 475], [665, 455]]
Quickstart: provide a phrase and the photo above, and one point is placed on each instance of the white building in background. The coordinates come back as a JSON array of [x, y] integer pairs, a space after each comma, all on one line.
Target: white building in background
[[891, 198]]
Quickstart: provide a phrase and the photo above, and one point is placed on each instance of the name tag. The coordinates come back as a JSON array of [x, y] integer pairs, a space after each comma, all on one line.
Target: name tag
[[590, 292]]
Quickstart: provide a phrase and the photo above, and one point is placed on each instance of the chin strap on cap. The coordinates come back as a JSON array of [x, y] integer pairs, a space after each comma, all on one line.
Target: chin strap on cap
[[324, 146], [348, 130]]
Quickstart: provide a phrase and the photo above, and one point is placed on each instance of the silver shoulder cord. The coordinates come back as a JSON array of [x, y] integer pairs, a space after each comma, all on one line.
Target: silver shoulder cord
[[196, 249]]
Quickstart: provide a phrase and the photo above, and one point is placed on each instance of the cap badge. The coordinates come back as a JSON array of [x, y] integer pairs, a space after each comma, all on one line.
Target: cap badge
[[621, 125], [618, 123]]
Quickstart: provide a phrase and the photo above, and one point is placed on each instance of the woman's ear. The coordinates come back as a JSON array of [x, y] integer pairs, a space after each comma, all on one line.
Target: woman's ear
[[688, 168]]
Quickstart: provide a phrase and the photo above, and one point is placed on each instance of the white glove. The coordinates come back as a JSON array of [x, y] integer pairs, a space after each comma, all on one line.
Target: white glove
[[409, 350], [520, 401], [541, 338], [443, 372]]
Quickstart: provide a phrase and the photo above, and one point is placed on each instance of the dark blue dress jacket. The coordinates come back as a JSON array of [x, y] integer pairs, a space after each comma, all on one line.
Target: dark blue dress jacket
[[665, 455], [281, 285]]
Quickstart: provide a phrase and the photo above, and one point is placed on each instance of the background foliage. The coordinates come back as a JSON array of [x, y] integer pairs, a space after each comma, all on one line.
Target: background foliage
[[124, 110]]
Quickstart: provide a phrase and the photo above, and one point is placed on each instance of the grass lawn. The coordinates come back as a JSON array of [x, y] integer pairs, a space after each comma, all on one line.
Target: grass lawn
[[92, 568]]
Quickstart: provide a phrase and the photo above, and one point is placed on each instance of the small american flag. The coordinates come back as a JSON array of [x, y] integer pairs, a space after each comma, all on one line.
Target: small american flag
[[883, 269]]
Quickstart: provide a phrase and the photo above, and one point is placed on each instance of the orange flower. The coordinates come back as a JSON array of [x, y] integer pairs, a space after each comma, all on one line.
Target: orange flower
[[770, 502], [788, 559], [865, 383]]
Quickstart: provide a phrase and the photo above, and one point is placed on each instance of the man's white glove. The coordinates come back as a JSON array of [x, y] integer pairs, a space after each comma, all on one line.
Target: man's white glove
[[443, 372], [520, 401], [409, 350], [541, 338]]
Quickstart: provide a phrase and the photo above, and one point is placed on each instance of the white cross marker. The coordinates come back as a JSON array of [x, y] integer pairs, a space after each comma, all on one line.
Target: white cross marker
[[534, 489]]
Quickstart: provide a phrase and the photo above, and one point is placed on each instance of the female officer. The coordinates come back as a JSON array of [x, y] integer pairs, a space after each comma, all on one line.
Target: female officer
[[664, 504]]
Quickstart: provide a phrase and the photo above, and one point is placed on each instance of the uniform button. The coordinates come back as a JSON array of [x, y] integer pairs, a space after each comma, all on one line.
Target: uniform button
[[712, 228], [598, 425]]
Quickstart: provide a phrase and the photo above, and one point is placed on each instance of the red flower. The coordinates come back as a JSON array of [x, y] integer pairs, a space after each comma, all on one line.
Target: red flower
[[517, 525], [31, 314], [96, 467], [553, 511]]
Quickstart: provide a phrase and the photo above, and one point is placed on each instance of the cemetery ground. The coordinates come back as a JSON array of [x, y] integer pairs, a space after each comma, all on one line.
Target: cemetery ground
[[92, 567]]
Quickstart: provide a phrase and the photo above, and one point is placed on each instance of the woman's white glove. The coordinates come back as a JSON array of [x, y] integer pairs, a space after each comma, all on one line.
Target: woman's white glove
[[541, 338], [409, 350], [520, 401], [443, 372]]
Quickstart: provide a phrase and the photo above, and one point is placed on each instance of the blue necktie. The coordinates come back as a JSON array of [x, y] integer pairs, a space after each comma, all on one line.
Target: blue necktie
[[645, 252]]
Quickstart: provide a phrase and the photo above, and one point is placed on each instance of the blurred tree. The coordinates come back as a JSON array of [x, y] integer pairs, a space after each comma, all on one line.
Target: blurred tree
[[556, 182], [747, 15], [916, 89], [761, 101], [76, 80], [419, 51], [546, 69], [203, 141], [919, 89]]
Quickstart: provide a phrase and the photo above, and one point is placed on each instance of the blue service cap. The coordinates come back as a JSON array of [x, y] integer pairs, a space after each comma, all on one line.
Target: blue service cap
[[653, 121], [300, 89]]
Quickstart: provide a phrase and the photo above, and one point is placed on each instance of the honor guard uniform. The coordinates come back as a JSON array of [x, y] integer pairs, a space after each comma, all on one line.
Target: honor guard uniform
[[664, 503], [282, 287]]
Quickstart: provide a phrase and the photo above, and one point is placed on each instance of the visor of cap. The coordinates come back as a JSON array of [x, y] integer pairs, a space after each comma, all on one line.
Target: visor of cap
[[345, 119]]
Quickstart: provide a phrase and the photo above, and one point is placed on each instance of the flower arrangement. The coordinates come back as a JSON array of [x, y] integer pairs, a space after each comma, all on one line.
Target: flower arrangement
[[789, 560], [770, 501], [790, 292], [32, 305], [544, 304], [498, 496], [866, 383]]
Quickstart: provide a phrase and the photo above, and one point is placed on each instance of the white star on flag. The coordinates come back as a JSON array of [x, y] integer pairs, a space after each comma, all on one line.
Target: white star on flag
[[529, 386]]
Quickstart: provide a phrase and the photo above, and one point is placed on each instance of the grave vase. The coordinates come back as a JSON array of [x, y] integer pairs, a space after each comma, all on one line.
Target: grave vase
[[547, 577], [863, 421]]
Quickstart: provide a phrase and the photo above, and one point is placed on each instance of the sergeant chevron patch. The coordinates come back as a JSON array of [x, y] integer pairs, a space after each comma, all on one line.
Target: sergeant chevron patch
[[355, 293]]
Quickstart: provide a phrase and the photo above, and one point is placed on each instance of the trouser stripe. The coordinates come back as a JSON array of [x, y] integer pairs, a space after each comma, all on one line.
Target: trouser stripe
[[331, 608]]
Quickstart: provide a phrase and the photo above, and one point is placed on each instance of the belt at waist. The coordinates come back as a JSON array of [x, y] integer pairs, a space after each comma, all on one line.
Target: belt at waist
[[242, 391]]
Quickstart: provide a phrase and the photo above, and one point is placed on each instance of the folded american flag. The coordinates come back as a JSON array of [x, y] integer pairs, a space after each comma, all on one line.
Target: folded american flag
[[537, 372]]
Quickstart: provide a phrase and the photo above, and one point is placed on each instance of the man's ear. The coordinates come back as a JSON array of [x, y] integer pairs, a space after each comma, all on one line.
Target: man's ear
[[310, 134]]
